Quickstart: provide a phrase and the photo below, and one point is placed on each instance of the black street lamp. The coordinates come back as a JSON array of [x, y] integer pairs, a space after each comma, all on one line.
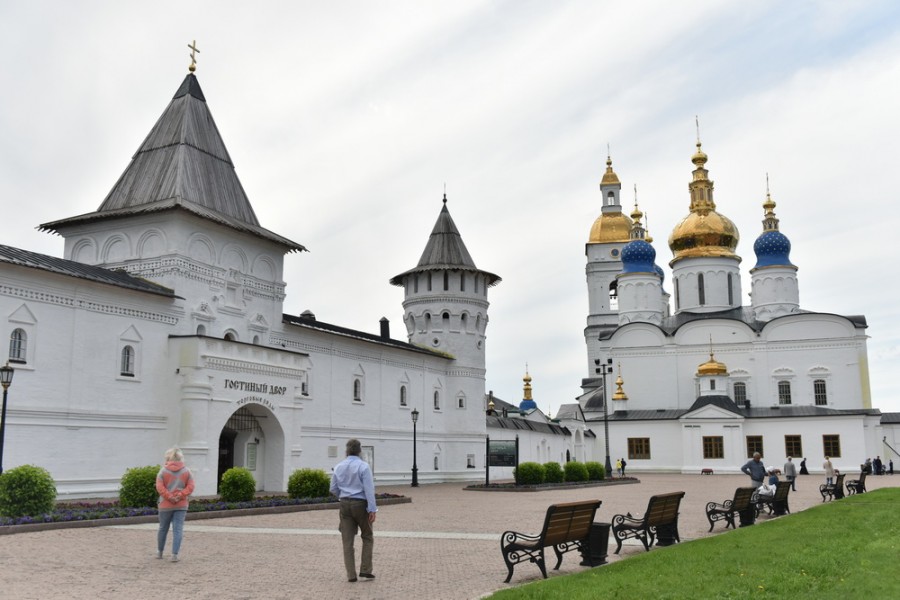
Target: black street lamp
[[603, 370], [415, 470], [6, 376]]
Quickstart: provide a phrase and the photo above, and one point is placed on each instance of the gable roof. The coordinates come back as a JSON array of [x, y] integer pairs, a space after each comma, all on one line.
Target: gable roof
[[71, 268], [182, 163]]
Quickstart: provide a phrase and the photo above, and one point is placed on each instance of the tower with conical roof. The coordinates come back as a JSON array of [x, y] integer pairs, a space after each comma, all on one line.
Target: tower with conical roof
[[609, 233], [445, 300], [705, 269], [774, 288], [179, 216]]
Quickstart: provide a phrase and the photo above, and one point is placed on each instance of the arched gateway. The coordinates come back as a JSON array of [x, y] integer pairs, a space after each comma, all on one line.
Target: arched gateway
[[253, 438]]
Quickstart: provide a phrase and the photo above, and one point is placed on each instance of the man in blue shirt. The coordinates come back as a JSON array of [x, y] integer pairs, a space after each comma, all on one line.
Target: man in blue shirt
[[755, 469], [352, 482]]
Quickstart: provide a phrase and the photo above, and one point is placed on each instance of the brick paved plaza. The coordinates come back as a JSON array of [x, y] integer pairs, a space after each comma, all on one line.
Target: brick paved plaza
[[445, 545]]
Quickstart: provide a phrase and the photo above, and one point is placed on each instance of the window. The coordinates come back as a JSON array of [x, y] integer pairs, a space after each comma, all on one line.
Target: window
[[416, 284], [429, 282], [713, 446], [470, 461], [831, 444], [18, 343], [793, 446], [230, 336], [614, 295], [639, 448], [784, 395], [445, 321], [677, 296], [701, 291], [740, 393], [402, 395], [437, 400], [357, 390], [610, 199], [730, 291], [446, 280], [821, 394], [712, 384], [461, 402], [201, 329], [476, 278], [755, 444], [462, 281], [126, 368]]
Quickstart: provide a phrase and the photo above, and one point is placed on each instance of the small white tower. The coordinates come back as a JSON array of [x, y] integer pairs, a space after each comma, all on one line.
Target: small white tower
[[775, 290], [639, 283], [445, 300]]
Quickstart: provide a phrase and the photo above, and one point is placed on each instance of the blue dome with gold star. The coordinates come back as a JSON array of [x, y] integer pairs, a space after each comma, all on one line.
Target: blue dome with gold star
[[638, 256], [772, 248]]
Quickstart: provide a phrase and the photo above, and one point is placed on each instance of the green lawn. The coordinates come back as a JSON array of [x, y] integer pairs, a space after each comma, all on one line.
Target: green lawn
[[844, 549]]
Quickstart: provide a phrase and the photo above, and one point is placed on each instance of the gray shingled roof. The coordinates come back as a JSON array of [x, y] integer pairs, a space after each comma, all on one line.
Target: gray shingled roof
[[721, 401], [445, 250], [891, 417], [525, 425], [570, 411], [182, 164], [70, 268]]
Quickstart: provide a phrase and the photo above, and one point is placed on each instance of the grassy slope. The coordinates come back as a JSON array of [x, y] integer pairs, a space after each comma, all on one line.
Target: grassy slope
[[843, 549]]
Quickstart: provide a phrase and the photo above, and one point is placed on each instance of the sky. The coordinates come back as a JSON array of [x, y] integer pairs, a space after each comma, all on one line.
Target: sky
[[346, 120]]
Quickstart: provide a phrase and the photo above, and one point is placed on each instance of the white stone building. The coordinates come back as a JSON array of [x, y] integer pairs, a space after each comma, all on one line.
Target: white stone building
[[791, 382]]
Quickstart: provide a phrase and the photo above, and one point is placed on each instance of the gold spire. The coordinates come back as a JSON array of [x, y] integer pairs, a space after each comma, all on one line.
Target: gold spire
[[194, 52], [620, 393], [526, 389], [610, 177], [637, 230], [770, 221], [611, 226], [704, 232]]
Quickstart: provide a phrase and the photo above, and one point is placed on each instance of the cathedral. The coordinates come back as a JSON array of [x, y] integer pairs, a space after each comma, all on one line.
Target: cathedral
[[703, 382]]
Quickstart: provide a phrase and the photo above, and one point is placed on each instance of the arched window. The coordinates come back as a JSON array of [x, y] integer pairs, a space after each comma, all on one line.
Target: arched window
[[730, 291], [784, 392], [201, 329], [701, 291], [127, 363], [445, 320], [614, 295], [18, 344], [427, 321], [464, 322], [437, 400], [230, 336], [820, 392], [677, 296], [611, 199], [740, 393], [357, 390], [402, 395], [255, 340]]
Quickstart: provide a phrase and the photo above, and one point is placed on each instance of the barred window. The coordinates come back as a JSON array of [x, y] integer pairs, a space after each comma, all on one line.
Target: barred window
[[639, 448], [821, 394], [831, 445], [793, 446], [755, 444], [127, 366], [18, 341], [713, 446], [784, 392]]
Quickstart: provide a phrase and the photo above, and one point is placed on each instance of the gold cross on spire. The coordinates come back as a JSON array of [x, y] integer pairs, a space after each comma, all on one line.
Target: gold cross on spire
[[194, 53]]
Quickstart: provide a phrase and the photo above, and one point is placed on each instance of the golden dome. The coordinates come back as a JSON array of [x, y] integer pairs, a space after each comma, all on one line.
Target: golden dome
[[704, 232], [712, 367], [610, 227], [609, 177]]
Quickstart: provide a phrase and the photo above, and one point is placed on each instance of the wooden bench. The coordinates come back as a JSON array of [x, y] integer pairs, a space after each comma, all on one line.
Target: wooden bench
[[659, 521], [566, 527], [776, 504], [857, 486], [725, 511], [833, 490], [706, 471]]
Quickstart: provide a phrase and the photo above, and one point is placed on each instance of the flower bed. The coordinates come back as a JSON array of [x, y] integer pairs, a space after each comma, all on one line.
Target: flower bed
[[88, 511]]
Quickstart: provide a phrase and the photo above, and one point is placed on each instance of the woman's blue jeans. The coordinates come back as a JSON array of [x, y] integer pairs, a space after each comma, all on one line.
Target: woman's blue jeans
[[176, 519]]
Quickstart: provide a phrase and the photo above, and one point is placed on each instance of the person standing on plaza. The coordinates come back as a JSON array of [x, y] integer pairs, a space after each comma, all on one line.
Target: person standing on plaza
[[790, 473], [803, 469], [829, 471], [619, 467], [878, 465], [755, 469], [623, 465], [175, 484], [353, 484]]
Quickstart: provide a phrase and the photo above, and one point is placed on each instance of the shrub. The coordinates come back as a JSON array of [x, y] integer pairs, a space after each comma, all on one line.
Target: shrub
[[529, 473], [137, 489], [237, 485], [596, 471], [576, 471], [26, 491], [308, 483], [553, 473]]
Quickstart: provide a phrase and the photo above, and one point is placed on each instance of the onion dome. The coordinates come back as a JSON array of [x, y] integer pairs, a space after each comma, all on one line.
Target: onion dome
[[772, 247], [712, 367], [704, 232], [638, 255], [620, 394], [527, 402], [611, 226]]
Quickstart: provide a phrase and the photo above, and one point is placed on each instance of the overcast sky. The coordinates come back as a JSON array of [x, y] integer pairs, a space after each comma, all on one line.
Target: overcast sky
[[346, 119]]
